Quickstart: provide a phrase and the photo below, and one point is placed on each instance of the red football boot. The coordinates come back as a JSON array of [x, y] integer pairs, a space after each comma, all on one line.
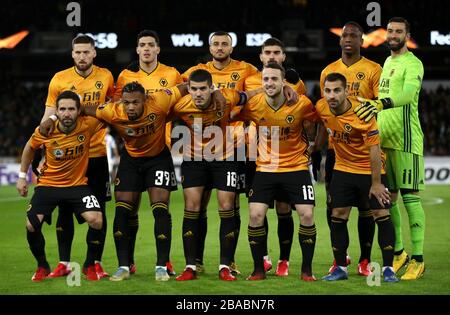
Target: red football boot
[[225, 274], [61, 270], [187, 274], [40, 274]]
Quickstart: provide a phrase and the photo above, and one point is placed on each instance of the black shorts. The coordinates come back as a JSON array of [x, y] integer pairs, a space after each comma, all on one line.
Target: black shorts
[[348, 189], [329, 165], [98, 178], [77, 199], [138, 174], [241, 177], [221, 175], [250, 170], [267, 186]]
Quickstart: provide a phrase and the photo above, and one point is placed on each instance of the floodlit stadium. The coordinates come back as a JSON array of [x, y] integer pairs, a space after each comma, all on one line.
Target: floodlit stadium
[[219, 48]]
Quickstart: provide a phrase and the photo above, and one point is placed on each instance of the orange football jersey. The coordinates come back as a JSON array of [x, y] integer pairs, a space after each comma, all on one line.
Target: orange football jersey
[[255, 82], [363, 78], [285, 124], [66, 155], [203, 123], [230, 77], [143, 137], [93, 90], [351, 138], [161, 78]]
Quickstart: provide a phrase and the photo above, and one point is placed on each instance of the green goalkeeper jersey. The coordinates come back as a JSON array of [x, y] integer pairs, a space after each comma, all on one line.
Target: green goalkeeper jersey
[[401, 80]]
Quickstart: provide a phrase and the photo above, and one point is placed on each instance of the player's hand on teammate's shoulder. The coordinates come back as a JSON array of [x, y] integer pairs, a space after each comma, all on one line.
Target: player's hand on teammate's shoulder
[[218, 101], [46, 127], [290, 94]]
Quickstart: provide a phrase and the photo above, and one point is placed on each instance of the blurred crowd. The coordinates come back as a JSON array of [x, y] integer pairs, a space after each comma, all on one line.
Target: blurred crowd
[[197, 14], [22, 106]]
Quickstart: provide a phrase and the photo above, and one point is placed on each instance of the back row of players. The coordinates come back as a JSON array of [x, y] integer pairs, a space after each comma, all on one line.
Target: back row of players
[[139, 116]]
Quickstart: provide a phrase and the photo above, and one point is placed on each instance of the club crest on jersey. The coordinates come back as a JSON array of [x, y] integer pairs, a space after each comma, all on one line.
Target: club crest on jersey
[[81, 138], [347, 127], [250, 193], [152, 117], [99, 85], [58, 153], [235, 76], [360, 75], [163, 82], [130, 132], [117, 181], [219, 114], [290, 119]]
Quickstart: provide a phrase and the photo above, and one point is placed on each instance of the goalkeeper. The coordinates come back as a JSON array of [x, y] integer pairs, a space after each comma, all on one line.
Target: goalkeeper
[[402, 141]]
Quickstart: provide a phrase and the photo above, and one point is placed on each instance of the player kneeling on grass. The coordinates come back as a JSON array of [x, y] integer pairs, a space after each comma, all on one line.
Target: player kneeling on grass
[[358, 176], [63, 181]]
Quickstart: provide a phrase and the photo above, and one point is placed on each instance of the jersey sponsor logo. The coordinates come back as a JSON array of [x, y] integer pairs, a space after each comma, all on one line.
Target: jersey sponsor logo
[[290, 119], [163, 82], [228, 85], [360, 75], [347, 127], [58, 153], [130, 132], [235, 76], [152, 117], [99, 85], [81, 138]]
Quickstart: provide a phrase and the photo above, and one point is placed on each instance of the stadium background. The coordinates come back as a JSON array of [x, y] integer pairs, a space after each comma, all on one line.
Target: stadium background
[[303, 25]]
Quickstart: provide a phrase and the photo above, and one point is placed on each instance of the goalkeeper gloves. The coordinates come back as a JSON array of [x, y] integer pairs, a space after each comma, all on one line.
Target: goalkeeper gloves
[[370, 108]]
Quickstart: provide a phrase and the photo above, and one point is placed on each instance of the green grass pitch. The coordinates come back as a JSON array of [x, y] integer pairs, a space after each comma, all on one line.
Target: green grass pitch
[[17, 263]]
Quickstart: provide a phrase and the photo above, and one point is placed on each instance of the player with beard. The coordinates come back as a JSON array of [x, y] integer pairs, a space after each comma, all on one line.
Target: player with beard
[[94, 85], [402, 141], [153, 76], [231, 74], [362, 77], [272, 50]]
